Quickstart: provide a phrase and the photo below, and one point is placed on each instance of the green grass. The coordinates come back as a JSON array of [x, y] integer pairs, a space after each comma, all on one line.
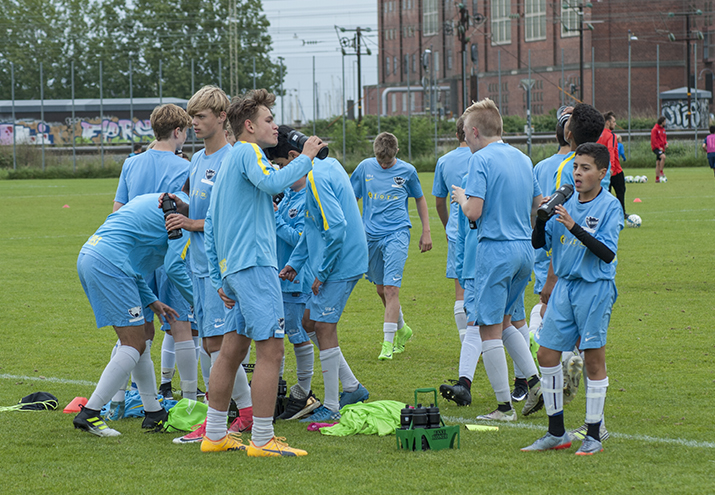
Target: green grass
[[660, 364]]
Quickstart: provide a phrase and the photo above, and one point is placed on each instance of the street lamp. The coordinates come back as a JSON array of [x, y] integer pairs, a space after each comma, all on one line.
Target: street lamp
[[631, 37]]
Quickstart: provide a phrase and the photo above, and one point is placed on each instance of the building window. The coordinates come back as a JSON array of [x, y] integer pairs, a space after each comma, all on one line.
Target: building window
[[394, 65], [404, 102], [449, 59], [387, 66], [535, 20], [569, 18], [501, 22], [436, 61], [414, 62], [430, 19], [394, 102]]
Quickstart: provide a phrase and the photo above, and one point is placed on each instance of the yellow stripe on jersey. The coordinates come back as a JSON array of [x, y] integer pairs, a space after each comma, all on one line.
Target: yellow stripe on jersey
[[317, 198], [561, 168], [186, 248], [259, 156]]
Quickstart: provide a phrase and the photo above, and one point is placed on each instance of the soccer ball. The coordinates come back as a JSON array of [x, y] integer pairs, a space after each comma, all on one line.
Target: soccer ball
[[633, 221], [629, 179], [664, 179], [644, 178], [637, 179]]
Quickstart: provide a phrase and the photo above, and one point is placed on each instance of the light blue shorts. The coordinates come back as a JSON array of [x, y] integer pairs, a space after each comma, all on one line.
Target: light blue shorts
[[259, 302], [451, 259], [577, 310], [469, 302], [169, 294], [113, 295], [519, 313], [209, 310], [504, 268], [387, 257], [293, 308], [330, 302]]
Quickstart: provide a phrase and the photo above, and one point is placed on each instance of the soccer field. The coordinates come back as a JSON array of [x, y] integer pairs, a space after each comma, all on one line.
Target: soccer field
[[660, 356]]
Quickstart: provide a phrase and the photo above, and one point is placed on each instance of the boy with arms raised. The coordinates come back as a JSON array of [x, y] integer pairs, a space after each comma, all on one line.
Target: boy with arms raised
[[584, 241], [240, 239], [449, 172], [207, 109], [385, 183], [503, 195]]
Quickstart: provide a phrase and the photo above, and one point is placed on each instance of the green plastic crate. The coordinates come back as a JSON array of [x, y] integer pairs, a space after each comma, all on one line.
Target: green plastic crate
[[446, 437]]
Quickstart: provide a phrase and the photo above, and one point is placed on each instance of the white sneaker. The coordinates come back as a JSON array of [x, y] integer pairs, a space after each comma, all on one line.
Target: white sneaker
[[497, 415]]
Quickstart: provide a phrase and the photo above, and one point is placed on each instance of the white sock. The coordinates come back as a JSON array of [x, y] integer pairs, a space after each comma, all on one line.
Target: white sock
[[205, 361], [241, 392], [552, 388], [524, 331], [595, 399], [121, 393], [471, 350], [389, 329], [262, 431], [197, 346], [535, 318], [460, 318], [146, 380], [188, 370], [495, 365], [216, 424], [314, 339], [168, 359], [400, 319], [115, 374], [347, 378], [304, 358], [330, 363], [519, 351]]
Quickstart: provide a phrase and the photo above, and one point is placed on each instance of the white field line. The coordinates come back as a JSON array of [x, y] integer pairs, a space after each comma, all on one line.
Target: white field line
[[50, 379], [622, 436]]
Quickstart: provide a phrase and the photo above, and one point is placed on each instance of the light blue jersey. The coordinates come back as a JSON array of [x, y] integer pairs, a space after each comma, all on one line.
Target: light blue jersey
[[449, 172], [150, 172], [503, 177], [564, 175], [545, 173], [466, 245], [384, 193], [333, 238], [201, 179], [241, 231], [134, 239], [290, 222], [601, 217]]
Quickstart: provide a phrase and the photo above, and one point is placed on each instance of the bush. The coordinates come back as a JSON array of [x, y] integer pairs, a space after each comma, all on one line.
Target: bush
[[84, 171]]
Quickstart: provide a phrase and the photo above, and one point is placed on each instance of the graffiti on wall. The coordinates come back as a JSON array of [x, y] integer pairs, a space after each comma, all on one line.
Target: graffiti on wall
[[84, 130], [676, 113]]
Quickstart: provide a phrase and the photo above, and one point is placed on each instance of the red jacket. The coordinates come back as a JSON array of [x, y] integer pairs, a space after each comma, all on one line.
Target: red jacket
[[608, 139], [657, 138]]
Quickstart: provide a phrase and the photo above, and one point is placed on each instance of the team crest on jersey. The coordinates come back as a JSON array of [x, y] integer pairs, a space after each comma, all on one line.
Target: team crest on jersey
[[400, 181], [135, 313], [210, 174], [591, 224], [292, 212]]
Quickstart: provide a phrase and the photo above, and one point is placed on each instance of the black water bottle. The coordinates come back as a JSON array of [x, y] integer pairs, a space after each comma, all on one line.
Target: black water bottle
[[433, 416], [560, 196], [406, 417], [168, 206], [419, 417]]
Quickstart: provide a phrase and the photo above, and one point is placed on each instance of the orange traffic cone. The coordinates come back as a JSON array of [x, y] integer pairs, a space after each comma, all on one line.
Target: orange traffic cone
[[73, 407]]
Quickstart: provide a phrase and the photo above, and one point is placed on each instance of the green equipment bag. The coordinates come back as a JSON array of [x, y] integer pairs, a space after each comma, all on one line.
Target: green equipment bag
[[185, 415]]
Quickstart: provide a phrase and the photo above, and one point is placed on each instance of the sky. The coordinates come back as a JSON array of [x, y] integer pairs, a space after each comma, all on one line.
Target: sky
[[294, 23]]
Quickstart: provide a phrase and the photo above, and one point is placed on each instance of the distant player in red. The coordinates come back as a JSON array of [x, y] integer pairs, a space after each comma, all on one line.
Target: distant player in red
[[610, 141], [658, 143], [709, 147]]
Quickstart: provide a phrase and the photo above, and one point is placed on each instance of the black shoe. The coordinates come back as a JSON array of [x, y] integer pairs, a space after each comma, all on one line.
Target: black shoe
[[521, 389], [165, 390], [155, 420], [89, 420], [457, 393], [298, 407]]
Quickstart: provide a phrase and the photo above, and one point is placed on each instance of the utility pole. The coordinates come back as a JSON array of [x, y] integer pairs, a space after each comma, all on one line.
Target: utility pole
[[688, 38], [355, 44], [463, 39]]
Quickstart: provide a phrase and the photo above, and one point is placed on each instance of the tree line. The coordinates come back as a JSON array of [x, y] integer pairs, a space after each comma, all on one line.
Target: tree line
[[149, 33]]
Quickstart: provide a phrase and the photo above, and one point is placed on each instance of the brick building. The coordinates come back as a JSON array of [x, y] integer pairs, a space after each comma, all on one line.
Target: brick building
[[511, 31]]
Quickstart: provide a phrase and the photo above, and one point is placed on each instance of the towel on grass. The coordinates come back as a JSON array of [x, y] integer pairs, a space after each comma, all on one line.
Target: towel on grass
[[380, 417]]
